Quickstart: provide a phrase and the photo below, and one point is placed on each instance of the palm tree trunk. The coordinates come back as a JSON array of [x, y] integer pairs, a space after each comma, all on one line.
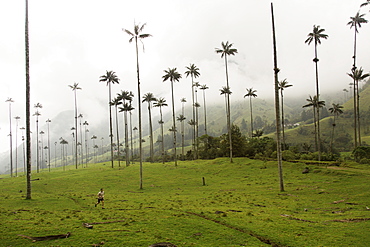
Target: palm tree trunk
[[282, 118], [37, 145], [277, 109], [160, 109], [318, 107], [228, 111], [250, 106], [315, 124], [131, 143], [139, 105], [117, 131], [174, 124], [76, 128], [355, 112], [151, 134], [28, 122], [110, 129], [193, 107], [126, 140], [205, 112]]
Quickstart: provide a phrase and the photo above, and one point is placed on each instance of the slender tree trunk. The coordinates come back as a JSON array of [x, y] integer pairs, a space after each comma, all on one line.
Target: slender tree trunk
[[318, 107], [196, 123], [282, 118], [139, 105], [110, 129], [160, 110], [277, 109], [205, 112], [76, 128], [126, 140], [358, 115], [193, 107], [315, 125], [118, 143], [151, 134], [174, 124], [37, 145], [11, 140], [229, 113], [250, 105], [131, 143], [355, 112]]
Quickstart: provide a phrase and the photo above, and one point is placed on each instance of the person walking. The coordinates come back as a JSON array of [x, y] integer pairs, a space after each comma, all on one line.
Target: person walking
[[100, 198]]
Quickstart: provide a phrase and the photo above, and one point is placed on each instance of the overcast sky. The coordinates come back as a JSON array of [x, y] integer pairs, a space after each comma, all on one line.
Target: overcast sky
[[78, 40]]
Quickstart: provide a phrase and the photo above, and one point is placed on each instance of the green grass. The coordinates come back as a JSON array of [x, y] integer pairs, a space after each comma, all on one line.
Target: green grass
[[240, 205]]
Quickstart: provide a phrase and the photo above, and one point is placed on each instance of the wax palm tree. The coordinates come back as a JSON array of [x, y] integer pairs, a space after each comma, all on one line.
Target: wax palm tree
[[149, 98], [37, 114], [126, 107], [126, 97], [183, 101], [74, 88], [193, 72], [356, 22], [110, 78], [315, 103], [172, 75], [116, 102], [181, 119], [135, 36], [225, 51], [161, 102], [315, 36], [283, 85], [204, 88], [28, 106], [251, 93], [336, 110], [10, 101], [357, 75]]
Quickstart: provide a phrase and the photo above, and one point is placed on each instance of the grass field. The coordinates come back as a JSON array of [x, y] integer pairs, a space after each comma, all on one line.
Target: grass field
[[239, 205]]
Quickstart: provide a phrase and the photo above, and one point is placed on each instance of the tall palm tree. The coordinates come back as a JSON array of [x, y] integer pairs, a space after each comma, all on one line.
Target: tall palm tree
[[135, 36], [357, 75], [110, 78], [181, 119], [74, 88], [196, 106], [161, 102], [116, 102], [183, 101], [251, 93], [149, 98], [193, 71], [315, 103], [28, 105], [126, 107], [37, 114], [356, 22], [204, 88], [10, 101], [281, 86], [16, 144], [336, 109], [225, 51], [63, 142], [48, 123], [316, 35], [172, 75]]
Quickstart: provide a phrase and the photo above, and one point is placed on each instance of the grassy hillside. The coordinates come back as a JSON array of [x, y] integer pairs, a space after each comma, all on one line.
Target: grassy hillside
[[239, 205]]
